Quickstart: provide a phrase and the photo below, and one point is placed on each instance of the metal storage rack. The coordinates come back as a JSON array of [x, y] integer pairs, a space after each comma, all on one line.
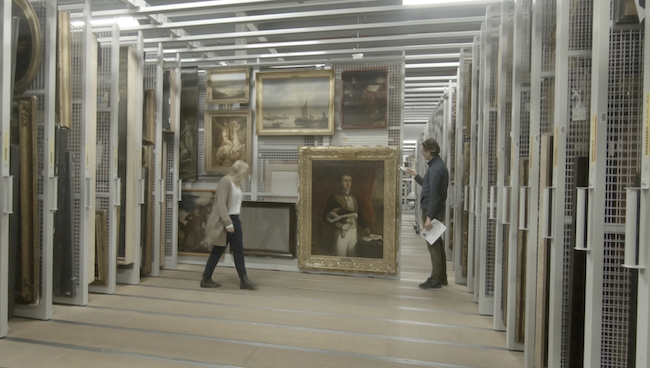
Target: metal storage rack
[[43, 88], [499, 192], [488, 171], [615, 160], [542, 96], [107, 183], [516, 208], [460, 190], [5, 179], [81, 145]]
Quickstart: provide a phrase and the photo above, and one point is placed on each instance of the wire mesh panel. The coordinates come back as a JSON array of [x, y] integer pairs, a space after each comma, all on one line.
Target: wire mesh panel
[[103, 176], [75, 140], [624, 128], [577, 141]]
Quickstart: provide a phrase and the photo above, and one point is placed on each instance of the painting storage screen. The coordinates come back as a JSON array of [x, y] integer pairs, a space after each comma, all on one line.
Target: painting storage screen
[[269, 228]]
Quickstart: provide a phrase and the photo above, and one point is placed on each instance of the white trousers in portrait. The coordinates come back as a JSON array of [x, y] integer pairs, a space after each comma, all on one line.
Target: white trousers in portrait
[[345, 245]]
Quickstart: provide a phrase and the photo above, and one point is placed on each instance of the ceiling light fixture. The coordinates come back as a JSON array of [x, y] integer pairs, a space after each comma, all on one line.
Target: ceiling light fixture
[[122, 22], [426, 2]]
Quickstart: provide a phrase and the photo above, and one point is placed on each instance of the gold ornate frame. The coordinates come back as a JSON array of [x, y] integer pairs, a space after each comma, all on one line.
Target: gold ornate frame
[[35, 58], [289, 77], [63, 68], [306, 260], [207, 151], [212, 100], [25, 106], [149, 118]]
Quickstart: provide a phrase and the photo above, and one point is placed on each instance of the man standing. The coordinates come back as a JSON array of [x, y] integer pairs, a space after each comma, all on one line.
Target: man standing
[[343, 213], [432, 201]]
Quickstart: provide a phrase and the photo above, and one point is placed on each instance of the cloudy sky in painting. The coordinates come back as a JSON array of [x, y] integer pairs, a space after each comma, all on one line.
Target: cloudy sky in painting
[[292, 93]]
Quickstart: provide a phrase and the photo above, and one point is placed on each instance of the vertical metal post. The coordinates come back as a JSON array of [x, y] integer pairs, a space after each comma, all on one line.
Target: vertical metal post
[[472, 260], [533, 180], [643, 320], [502, 116], [459, 208], [559, 179], [6, 191], [158, 189], [172, 262], [597, 177], [520, 81]]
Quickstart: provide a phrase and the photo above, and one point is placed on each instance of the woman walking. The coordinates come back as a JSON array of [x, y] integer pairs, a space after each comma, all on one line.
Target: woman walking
[[224, 227]]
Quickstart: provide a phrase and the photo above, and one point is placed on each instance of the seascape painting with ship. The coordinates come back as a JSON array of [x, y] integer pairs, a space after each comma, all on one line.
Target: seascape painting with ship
[[296, 104]]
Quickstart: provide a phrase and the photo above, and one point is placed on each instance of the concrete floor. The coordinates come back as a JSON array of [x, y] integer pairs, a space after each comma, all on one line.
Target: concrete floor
[[293, 320]]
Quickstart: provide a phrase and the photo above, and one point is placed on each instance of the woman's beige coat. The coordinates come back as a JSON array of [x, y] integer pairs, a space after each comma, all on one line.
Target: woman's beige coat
[[219, 219]]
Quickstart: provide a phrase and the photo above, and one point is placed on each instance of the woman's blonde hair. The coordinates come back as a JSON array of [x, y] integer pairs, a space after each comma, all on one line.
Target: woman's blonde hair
[[238, 172]]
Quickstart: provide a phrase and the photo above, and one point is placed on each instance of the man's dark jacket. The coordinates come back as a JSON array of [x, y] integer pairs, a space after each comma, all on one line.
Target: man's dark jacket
[[434, 189]]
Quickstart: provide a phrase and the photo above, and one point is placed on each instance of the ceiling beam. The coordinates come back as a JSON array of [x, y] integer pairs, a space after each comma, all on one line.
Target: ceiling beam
[[306, 14], [443, 46], [336, 41], [323, 29], [214, 6]]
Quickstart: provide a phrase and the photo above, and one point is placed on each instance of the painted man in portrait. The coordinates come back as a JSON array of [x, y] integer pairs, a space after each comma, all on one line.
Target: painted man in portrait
[[343, 214]]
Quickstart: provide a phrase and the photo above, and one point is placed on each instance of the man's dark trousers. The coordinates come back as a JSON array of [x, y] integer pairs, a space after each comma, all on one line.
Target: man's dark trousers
[[438, 257]]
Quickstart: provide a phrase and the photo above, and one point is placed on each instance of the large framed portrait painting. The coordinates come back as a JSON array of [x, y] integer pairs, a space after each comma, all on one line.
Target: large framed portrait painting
[[228, 137], [348, 206], [193, 211], [295, 103]]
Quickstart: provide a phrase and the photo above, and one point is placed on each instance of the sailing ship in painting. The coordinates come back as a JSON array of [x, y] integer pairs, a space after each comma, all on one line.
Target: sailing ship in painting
[[304, 120], [310, 121]]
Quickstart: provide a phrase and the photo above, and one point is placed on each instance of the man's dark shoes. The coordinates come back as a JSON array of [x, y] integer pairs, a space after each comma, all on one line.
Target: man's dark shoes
[[208, 283], [444, 283], [246, 283], [430, 284]]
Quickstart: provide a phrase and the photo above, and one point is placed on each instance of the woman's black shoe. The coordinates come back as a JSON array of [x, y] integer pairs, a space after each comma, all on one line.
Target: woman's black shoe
[[246, 283], [208, 283]]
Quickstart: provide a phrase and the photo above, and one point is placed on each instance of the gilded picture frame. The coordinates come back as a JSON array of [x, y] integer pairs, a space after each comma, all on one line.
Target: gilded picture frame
[[25, 111], [193, 211], [63, 69], [372, 209], [364, 99], [295, 103], [149, 118], [29, 50], [228, 138], [228, 86]]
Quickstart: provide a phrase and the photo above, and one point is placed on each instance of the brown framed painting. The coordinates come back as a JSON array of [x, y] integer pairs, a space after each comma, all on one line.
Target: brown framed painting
[[228, 138], [193, 211], [364, 99], [295, 103], [348, 206], [227, 86]]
